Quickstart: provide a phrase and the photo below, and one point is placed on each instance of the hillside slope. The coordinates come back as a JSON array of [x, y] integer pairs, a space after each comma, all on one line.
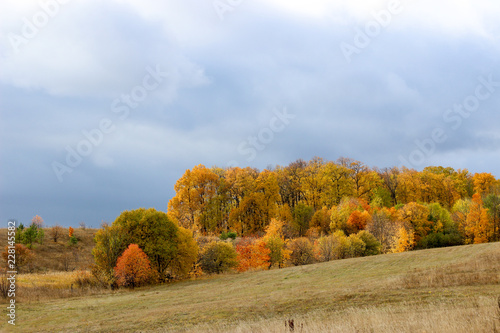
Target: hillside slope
[[53, 256], [451, 289]]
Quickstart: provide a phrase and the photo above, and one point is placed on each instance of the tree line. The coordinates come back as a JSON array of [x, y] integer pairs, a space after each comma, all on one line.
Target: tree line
[[242, 218], [319, 197]]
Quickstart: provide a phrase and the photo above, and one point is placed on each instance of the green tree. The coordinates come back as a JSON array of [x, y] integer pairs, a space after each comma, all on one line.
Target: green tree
[[492, 204], [40, 236], [109, 245], [302, 215], [444, 231], [160, 238], [356, 246], [218, 257], [187, 253], [372, 245], [30, 235]]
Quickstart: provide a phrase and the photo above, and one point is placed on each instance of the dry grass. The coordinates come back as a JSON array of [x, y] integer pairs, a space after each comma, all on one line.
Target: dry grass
[[56, 267], [369, 294], [60, 256], [481, 270], [474, 315], [36, 287]]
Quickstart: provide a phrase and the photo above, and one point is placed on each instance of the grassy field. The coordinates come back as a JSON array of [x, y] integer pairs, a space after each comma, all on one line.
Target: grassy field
[[438, 290], [59, 256]]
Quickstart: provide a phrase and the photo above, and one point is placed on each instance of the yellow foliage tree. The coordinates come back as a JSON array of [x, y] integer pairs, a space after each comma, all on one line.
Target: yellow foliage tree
[[193, 191], [483, 183], [404, 240], [275, 242], [477, 227], [416, 215]]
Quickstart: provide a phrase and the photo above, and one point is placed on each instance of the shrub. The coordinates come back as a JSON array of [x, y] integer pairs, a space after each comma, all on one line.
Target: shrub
[[439, 239], [73, 240], [109, 245], [133, 268], [356, 246], [338, 246], [372, 245], [84, 279], [341, 245], [160, 238], [252, 254], [218, 257], [23, 256], [56, 232], [229, 234], [302, 251], [324, 248]]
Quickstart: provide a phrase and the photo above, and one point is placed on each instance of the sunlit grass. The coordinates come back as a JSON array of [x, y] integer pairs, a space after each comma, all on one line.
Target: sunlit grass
[[408, 292], [55, 280]]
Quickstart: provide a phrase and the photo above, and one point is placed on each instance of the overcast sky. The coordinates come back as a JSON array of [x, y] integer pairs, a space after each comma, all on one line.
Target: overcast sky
[[105, 104]]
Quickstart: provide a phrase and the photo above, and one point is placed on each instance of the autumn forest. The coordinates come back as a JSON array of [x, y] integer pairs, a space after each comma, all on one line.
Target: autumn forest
[[234, 220], [435, 207], [225, 219]]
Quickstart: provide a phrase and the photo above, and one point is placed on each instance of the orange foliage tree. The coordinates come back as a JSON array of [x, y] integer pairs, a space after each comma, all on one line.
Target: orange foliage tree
[[252, 254], [477, 226], [70, 232], [357, 221], [133, 267], [23, 257]]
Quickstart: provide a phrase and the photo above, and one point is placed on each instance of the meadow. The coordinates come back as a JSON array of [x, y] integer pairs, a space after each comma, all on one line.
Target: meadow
[[453, 289]]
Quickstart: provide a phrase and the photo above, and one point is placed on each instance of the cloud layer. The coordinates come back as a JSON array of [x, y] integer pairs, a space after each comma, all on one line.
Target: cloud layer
[[228, 67]]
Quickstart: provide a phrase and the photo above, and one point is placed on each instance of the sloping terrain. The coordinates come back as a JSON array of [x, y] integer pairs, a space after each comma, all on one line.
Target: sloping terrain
[[447, 289]]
